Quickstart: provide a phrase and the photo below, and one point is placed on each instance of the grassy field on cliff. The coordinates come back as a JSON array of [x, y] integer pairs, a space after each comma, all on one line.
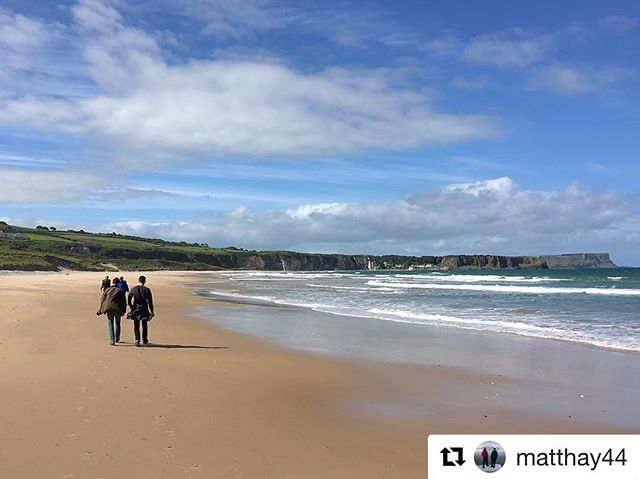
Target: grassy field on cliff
[[44, 250]]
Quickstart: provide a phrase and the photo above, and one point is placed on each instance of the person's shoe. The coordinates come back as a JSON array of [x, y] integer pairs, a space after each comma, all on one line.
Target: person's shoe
[[145, 341], [137, 343], [117, 340], [112, 343]]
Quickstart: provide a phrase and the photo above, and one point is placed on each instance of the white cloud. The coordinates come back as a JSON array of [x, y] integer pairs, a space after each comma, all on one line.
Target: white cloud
[[39, 187], [19, 32], [226, 107], [509, 49], [617, 23], [493, 216], [570, 79], [347, 24]]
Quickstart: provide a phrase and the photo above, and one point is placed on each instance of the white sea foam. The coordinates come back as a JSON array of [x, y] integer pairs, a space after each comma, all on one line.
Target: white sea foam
[[345, 288], [477, 323], [519, 328], [283, 275], [498, 288], [477, 278]]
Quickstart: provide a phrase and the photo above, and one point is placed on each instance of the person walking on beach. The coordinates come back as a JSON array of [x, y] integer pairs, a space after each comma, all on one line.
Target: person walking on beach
[[141, 304], [485, 458], [123, 285], [113, 303], [105, 283], [494, 457]]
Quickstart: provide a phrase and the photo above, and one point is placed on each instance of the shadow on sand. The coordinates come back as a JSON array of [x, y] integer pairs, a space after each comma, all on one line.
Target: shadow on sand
[[173, 346]]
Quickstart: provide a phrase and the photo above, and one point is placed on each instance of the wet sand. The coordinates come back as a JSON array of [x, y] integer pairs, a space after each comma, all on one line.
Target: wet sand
[[203, 401]]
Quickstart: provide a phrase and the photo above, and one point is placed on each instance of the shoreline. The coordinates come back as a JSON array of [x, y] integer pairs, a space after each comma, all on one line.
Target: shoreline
[[263, 302], [204, 401], [527, 375]]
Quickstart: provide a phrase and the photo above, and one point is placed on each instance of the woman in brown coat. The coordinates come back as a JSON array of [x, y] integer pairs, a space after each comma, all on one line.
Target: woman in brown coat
[[113, 303]]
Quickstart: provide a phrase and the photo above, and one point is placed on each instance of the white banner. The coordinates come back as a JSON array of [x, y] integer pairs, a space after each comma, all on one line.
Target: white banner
[[523, 456]]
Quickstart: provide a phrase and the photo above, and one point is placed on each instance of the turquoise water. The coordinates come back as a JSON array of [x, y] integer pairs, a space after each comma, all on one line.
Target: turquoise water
[[599, 307]]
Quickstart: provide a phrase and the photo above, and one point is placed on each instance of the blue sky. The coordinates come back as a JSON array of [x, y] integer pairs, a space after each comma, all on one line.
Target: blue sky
[[361, 127]]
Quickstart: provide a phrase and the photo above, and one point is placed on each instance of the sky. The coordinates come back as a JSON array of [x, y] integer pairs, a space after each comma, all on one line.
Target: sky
[[406, 127]]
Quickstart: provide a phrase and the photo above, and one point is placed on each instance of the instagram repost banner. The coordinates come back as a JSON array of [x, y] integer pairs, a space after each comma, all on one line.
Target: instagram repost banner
[[522, 456]]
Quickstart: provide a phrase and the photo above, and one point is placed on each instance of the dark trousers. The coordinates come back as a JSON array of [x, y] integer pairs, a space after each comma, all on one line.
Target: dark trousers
[[485, 462], [493, 462], [145, 330]]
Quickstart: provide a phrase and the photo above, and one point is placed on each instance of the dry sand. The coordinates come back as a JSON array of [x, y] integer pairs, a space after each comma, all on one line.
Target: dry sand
[[203, 401]]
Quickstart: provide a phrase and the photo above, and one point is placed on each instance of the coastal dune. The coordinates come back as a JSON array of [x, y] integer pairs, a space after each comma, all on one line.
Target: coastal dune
[[202, 401]]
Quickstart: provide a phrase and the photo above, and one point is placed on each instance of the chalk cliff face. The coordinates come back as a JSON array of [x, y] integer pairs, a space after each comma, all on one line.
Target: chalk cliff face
[[579, 260]]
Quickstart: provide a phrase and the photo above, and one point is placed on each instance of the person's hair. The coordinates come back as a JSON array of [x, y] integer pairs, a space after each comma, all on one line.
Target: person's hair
[[121, 278], [115, 281], [142, 279]]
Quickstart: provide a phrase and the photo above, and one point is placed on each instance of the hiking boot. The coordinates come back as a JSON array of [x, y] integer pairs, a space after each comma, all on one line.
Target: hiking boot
[[112, 343], [137, 343]]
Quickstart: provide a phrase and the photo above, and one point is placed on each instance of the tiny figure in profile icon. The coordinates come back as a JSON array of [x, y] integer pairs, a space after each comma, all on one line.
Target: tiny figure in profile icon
[[494, 456], [489, 456]]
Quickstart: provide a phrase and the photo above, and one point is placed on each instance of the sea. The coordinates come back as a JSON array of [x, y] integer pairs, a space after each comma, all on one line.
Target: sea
[[599, 307]]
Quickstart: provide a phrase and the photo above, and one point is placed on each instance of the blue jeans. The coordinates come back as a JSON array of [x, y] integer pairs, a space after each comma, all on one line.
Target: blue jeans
[[113, 319]]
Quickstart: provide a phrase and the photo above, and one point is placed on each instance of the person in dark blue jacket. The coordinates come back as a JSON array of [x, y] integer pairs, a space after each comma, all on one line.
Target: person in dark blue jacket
[[494, 457], [123, 285]]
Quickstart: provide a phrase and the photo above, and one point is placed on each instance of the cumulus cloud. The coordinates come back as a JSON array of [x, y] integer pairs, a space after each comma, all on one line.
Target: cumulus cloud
[[227, 107], [570, 79], [495, 215]]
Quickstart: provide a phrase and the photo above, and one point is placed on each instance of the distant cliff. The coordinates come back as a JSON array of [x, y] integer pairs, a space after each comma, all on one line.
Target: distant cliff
[[579, 260], [46, 249]]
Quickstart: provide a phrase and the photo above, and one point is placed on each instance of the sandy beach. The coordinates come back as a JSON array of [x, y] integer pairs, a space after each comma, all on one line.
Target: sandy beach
[[202, 401]]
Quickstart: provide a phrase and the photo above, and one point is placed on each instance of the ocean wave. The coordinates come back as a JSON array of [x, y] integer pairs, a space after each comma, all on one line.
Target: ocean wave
[[498, 288], [282, 275], [624, 342], [477, 278], [616, 278], [512, 327], [358, 289]]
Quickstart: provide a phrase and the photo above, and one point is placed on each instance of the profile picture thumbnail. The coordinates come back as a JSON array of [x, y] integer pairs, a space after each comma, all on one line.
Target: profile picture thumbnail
[[489, 456]]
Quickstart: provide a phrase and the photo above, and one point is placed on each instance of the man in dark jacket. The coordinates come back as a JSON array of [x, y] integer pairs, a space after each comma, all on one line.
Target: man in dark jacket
[[105, 283], [141, 304], [113, 303], [494, 457]]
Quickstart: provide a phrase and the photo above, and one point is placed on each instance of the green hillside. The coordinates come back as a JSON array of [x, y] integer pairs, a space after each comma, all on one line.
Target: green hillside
[[44, 250]]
